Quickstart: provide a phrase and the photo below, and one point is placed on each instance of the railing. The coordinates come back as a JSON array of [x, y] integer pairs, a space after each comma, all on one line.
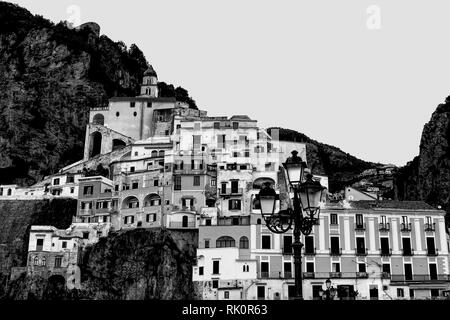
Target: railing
[[181, 225], [288, 250], [386, 253], [336, 252], [405, 227], [419, 277], [183, 208], [432, 252], [384, 227], [385, 275], [430, 226], [361, 252], [311, 252], [185, 170], [289, 275], [335, 274], [231, 191], [308, 275], [360, 226], [236, 221], [362, 275], [86, 212], [408, 252]]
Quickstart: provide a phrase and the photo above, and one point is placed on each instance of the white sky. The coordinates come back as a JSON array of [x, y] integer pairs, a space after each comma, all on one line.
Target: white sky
[[311, 66]]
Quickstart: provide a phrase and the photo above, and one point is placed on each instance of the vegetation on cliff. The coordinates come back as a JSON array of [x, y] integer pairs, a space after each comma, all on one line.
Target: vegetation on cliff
[[50, 75], [340, 167]]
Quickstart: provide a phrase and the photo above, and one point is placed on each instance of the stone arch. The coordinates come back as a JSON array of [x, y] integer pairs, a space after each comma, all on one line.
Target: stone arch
[[130, 203], [99, 119], [225, 242], [96, 144], [118, 144], [162, 153], [149, 200], [258, 183], [154, 154], [55, 288]]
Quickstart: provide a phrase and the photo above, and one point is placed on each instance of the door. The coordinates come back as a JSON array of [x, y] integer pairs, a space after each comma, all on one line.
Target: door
[[261, 293], [264, 269], [335, 245], [185, 221], [360, 246], [408, 272], [406, 246], [287, 244], [430, 246], [384, 246], [315, 290], [291, 292], [373, 292], [39, 244], [234, 186], [433, 271], [309, 245]]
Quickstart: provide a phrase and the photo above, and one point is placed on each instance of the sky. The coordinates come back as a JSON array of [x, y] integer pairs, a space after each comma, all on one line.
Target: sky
[[361, 75]]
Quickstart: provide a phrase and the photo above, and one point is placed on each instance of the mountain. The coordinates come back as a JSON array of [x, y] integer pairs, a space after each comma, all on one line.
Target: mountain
[[341, 168], [427, 177], [50, 75]]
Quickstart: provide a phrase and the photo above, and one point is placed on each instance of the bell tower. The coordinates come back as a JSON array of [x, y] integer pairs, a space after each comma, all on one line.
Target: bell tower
[[149, 87]]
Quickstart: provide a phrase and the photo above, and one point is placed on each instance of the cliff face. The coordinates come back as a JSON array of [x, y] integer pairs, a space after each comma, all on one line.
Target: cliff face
[[50, 76], [16, 218], [323, 159], [427, 177]]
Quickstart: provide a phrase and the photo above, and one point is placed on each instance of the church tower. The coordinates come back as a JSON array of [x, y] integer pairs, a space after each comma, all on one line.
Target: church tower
[[149, 87]]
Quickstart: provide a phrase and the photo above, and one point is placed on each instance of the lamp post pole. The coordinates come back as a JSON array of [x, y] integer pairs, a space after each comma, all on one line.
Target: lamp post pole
[[297, 246]]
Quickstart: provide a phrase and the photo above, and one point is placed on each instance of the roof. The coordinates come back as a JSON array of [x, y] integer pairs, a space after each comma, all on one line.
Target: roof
[[391, 204], [240, 117], [150, 72], [143, 99]]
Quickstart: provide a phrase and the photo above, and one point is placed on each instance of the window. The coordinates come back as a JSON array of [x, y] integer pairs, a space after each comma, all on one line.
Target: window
[[336, 267], [216, 125], [408, 271], [310, 267], [135, 114], [431, 249], [411, 293], [243, 243], [309, 245], [400, 292], [383, 220], [201, 271], [245, 268], [70, 179], [433, 271], [132, 169], [213, 182], [287, 244], [117, 114], [132, 104], [335, 248], [85, 235], [333, 218], [215, 284], [64, 244], [223, 188], [1, 191], [43, 261], [361, 267], [58, 262], [135, 185], [36, 261], [225, 242], [360, 246], [155, 182], [206, 244], [359, 221], [72, 190], [264, 269], [196, 180], [235, 125], [216, 268], [221, 141], [385, 246], [234, 186], [265, 242], [177, 183], [207, 222], [429, 220], [386, 268], [234, 204], [56, 182], [197, 141], [434, 293], [406, 246], [287, 270], [39, 244], [88, 190], [226, 295]]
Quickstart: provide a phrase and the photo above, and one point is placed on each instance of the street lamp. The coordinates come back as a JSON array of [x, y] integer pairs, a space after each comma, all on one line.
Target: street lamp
[[329, 293], [306, 208]]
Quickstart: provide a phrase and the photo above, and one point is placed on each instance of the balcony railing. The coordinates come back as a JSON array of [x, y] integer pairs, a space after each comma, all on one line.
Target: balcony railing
[[343, 275], [431, 252], [386, 252], [430, 226], [181, 225], [384, 227], [230, 191], [190, 171], [408, 252], [236, 221], [271, 275], [288, 250], [308, 275], [183, 208], [405, 227], [335, 274], [334, 252], [310, 252], [288, 275], [86, 212], [361, 252], [362, 275], [360, 226], [419, 277], [385, 275]]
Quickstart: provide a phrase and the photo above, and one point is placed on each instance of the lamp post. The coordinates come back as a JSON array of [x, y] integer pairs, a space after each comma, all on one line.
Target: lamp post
[[329, 293], [304, 214]]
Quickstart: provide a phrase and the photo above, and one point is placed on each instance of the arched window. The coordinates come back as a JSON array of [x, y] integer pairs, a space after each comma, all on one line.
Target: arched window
[[161, 153], [154, 154], [36, 261], [243, 243], [99, 119], [43, 261], [130, 203], [258, 221], [225, 242]]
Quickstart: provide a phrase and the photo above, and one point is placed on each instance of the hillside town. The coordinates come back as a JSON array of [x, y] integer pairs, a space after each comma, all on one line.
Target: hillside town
[[153, 162]]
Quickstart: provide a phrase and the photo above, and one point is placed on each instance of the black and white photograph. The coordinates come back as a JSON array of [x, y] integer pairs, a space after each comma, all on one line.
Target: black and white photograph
[[224, 158]]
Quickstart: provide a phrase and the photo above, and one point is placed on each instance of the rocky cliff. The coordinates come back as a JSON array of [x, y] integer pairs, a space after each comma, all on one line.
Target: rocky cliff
[[50, 75], [340, 167], [427, 177]]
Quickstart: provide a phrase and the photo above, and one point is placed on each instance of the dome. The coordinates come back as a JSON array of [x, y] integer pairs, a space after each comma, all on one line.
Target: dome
[[150, 72]]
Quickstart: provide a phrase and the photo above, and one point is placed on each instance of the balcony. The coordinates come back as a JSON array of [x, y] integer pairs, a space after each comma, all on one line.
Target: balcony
[[335, 274], [385, 275], [420, 278], [308, 275], [384, 227], [189, 171], [231, 191], [430, 227], [361, 252], [405, 227], [360, 227], [86, 212], [310, 252], [386, 252], [336, 252], [408, 252], [181, 225], [288, 250], [288, 275], [233, 221], [432, 252], [271, 275], [183, 208], [362, 275]]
